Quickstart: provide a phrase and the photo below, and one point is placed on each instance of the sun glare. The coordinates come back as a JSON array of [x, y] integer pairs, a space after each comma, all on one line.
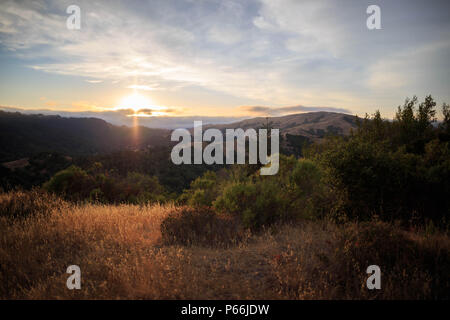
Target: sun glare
[[142, 106], [135, 102]]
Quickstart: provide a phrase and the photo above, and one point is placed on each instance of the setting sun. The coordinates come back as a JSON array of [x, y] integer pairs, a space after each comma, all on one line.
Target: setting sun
[[142, 106], [135, 102]]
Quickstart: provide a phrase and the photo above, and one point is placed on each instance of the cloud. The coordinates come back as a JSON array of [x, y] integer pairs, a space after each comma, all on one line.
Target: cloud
[[409, 70], [145, 111], [152, 112], [259, 51], [84, 105], [142, 87], [227, 36], [51, 103], [273, 111], [94, 81]]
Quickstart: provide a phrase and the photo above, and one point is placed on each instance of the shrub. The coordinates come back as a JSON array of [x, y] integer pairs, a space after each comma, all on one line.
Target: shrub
[[371, 180], [202, 192], [310, 196], [139, 188], [200, 226], [256, 203], [72, 183], [397, 170], [75, 184], [298, 191]]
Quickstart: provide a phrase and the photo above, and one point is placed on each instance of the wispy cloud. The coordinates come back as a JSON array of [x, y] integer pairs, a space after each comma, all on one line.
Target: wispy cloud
[[142, 87], [94, 81], [273, 52]]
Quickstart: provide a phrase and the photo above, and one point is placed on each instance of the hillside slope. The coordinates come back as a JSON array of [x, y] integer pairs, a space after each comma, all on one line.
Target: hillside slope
[[24, 135], [299, 130], [313, 125]]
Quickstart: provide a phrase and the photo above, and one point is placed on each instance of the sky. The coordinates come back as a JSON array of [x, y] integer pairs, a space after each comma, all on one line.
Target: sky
[[220, 59]]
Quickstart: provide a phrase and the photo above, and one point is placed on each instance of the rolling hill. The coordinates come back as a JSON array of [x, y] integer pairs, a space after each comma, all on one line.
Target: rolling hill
[[299, 130], [312, 125], [25, 135]]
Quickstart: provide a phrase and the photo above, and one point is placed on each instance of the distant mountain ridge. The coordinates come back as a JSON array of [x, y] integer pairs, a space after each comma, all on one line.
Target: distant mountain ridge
[[124, 118], [22, 135]]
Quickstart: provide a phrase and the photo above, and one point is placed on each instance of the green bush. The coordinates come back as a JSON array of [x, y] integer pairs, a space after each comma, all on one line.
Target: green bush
[[75, 184], [397, 170], [310, 196], [72, 183], [140, 188], [257, 204], [202, 192], [371, 180], [297, 191]]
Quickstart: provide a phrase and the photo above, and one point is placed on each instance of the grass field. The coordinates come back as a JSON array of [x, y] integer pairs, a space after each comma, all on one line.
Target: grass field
[[122, 256]]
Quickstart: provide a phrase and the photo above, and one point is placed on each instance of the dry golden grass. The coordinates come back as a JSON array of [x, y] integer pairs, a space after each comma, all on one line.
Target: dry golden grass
[[121, 256]]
